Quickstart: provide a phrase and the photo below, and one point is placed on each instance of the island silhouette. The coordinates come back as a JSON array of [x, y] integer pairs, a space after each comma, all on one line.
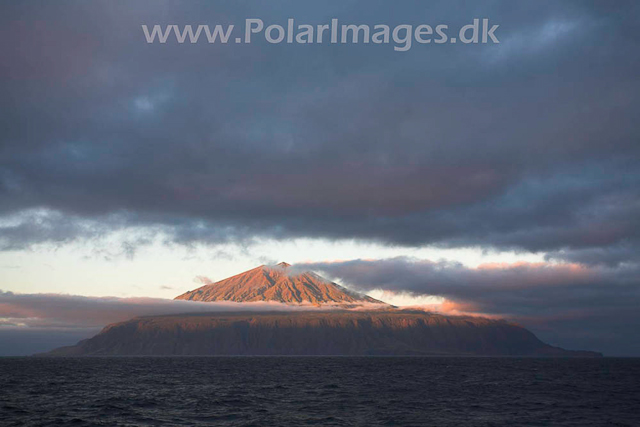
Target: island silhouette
[[325, 319]]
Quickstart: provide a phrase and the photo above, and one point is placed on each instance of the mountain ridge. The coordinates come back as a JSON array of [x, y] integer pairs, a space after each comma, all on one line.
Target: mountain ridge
[[277, 283]]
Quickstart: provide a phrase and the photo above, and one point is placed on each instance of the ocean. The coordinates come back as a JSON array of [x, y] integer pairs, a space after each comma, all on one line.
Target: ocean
[[333, 391]]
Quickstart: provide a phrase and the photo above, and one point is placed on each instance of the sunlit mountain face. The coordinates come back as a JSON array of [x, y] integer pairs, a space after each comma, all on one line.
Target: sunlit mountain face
[[277, 283]]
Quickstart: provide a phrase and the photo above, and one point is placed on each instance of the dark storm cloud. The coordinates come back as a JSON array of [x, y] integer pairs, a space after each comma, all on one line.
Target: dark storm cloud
[[531, 144], [567, 304]]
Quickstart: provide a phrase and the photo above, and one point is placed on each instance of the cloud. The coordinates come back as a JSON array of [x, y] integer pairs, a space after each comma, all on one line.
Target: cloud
[[572, 305], [73, 311], [449, 146], [31, 323], [528, 145], [20, 341], [203, 280]]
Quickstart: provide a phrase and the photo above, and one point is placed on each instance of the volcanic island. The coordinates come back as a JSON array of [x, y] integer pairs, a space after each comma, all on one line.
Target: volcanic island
[[325, 319]]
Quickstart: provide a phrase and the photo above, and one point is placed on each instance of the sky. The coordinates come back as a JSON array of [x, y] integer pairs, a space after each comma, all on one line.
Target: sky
[[489, 179]]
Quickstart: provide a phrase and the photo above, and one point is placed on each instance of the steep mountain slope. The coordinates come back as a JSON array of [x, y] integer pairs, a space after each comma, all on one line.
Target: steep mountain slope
[[381, 332], [276, 283]]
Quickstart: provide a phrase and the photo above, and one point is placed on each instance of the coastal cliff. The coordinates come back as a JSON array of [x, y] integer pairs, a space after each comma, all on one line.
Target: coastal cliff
[[343, 332]]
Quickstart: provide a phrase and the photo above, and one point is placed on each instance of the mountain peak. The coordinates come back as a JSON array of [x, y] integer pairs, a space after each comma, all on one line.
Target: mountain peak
[[280, 284]]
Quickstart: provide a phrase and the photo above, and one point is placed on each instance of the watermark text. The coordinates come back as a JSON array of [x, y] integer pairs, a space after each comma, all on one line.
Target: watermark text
[[402, 37]]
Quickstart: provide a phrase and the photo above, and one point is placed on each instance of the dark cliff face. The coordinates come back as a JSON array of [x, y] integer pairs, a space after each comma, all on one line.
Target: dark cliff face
[[388, 332]]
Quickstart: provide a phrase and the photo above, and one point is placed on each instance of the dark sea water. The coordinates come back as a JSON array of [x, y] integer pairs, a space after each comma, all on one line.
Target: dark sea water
[[284, 391]]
